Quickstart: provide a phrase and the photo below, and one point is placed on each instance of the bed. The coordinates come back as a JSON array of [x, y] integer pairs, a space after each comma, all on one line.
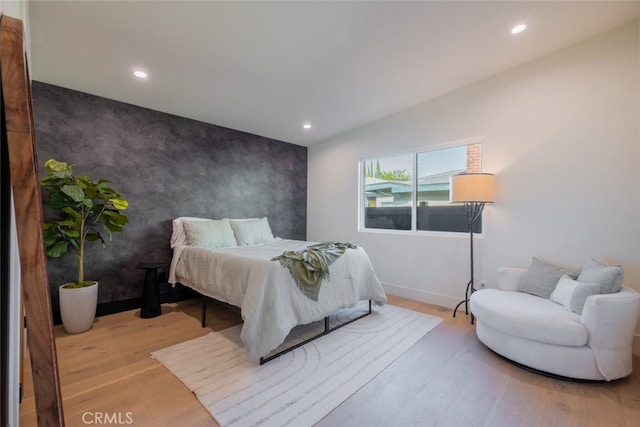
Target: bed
[[233, 261]]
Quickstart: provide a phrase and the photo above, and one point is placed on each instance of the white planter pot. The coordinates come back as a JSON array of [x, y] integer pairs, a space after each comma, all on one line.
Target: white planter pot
[[78, 307]]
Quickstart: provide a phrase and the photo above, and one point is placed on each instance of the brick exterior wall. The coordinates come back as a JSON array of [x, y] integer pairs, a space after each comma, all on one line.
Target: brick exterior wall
[[474, 158]]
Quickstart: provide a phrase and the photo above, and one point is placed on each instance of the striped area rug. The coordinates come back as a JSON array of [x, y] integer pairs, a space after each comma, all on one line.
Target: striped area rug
[[301, 387]]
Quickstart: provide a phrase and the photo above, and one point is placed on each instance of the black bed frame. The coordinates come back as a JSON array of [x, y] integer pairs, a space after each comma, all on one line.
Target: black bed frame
[[327, 329]]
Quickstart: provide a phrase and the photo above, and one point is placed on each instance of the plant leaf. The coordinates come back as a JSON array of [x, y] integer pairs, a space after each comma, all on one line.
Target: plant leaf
[[74, 192], [58, 200], [93, 236], [72, 213], [114, 217], [71, 233], [120, 204], [58, 249], [52, 165]]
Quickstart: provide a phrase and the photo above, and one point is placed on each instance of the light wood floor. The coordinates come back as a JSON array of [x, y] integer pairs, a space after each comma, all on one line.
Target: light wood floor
[[447, 379]]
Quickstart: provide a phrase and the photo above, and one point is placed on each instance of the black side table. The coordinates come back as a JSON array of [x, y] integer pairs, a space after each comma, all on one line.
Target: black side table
[[151, 290]]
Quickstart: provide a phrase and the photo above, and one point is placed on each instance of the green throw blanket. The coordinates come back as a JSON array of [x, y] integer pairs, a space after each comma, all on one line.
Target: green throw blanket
[[311, 265]]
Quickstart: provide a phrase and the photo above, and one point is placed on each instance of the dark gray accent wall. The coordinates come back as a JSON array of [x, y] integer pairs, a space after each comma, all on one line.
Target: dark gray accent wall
[[166, 166]]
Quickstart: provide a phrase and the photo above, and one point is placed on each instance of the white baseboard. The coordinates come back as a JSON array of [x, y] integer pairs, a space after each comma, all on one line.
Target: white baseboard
[[422, 296], [451, 302]]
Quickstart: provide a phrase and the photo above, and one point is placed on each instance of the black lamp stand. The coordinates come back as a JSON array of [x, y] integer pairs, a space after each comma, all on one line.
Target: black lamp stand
[[474, 210]]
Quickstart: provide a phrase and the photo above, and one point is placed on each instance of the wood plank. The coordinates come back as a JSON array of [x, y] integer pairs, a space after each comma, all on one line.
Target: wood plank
[[447, 378], [25, 183]]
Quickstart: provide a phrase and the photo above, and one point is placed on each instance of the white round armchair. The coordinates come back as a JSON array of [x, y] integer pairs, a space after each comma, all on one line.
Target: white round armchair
[[544, 335]]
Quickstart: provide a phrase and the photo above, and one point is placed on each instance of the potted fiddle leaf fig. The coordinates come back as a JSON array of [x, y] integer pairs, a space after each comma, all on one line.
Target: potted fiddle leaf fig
[[87, 209]]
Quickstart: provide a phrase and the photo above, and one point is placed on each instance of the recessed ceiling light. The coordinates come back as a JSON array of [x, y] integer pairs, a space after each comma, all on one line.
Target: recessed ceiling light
[[140, 74], [518, 29], [307, 126]]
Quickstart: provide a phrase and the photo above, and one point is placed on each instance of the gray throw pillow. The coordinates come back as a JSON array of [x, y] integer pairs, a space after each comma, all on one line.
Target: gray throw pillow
[[609, 277], [580, 295], [542, 277]]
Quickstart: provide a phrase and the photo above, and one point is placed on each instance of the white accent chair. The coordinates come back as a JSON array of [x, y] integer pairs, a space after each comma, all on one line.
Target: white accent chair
[[541, 334]]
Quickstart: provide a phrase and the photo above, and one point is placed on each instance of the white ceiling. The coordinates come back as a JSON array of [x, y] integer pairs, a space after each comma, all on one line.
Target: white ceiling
[[266, 67]]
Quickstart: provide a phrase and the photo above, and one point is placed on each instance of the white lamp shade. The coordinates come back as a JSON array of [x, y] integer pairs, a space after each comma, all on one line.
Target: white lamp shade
[[473, 187]]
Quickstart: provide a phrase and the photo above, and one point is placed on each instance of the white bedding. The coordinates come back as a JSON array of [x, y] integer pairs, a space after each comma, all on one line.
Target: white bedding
[[271, 303]]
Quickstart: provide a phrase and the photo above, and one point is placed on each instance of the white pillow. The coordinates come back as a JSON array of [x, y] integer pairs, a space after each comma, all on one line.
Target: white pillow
[[251, 231], [572, 294], [178, 238], [209, 234]]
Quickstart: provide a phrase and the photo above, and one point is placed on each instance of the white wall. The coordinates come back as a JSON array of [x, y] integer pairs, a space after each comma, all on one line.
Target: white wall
[[14, 8], [563, 138]]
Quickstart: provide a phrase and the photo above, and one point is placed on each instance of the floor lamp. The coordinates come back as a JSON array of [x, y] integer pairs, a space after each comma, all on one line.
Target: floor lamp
[[474, 190]]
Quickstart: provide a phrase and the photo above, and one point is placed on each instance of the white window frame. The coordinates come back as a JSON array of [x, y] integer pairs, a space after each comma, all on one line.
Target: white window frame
[[414, 217]]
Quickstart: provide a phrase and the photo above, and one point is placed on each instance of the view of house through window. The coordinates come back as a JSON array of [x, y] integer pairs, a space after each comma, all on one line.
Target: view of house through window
[[388, 192], [411, 192]]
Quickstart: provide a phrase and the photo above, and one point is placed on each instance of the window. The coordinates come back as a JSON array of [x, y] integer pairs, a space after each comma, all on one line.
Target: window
[[411, 192], [388, 192]]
